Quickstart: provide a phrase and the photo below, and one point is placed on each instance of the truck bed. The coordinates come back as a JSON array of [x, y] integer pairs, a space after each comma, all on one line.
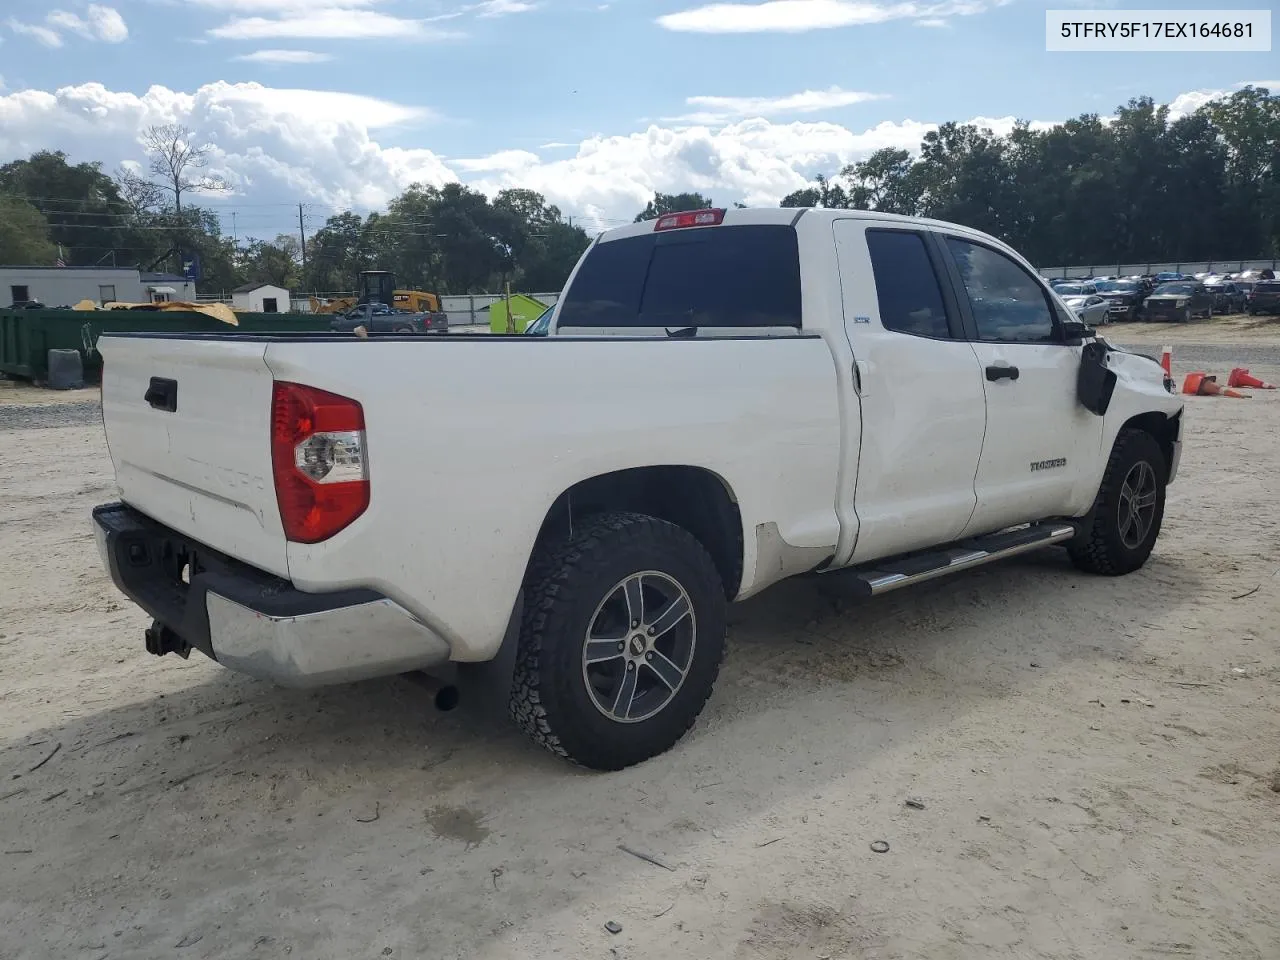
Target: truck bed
[[470, 439]]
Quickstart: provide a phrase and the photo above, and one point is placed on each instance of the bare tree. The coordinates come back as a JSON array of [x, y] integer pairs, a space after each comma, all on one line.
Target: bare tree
[[176, 162], [139, 193]]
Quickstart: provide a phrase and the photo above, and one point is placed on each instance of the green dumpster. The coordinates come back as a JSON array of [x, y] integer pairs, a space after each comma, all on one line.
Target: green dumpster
[[27, 336]]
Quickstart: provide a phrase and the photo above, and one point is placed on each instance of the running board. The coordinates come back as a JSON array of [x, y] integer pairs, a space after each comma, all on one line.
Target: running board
[[881, 576]]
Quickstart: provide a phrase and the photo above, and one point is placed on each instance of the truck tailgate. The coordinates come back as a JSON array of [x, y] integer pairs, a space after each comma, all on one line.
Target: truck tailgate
[[204, 466]]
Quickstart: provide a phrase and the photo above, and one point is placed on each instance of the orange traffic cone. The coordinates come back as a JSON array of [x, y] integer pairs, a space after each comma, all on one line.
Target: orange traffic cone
[[1203, 385], [1166, 361], [1241, 377]]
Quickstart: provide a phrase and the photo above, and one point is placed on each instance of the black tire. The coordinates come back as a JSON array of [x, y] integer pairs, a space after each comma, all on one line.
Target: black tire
[[1106, 544], [1186, 314], [404, 330], [569, 588]]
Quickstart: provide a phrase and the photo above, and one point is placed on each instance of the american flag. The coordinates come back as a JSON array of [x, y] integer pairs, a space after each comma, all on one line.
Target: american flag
[[59, 262]]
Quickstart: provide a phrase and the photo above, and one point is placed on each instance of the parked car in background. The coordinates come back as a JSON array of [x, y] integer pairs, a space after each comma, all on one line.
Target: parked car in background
[[1124, 298], [1090, 308], [1077, 289], [1227, 296], [1178, 300], [1168, 276], [1264, 297], [379, 318]]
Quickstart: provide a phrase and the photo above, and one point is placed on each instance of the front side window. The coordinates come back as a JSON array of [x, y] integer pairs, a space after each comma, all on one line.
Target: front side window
[[724, 276], [1007, 304], [907, 287]]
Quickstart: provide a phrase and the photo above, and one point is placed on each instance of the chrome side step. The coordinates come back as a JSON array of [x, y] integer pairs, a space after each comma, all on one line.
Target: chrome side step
[[884, 575]]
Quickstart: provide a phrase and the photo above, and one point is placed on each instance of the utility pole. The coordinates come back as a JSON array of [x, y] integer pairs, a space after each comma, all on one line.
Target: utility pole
[[235, 239], [302, 238]]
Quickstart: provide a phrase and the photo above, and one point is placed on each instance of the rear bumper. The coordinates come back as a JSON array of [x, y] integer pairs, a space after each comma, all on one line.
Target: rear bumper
[[255, 623]]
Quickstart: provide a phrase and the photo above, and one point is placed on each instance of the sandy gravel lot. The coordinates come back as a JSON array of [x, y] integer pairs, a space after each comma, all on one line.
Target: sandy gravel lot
[[1096, 761]]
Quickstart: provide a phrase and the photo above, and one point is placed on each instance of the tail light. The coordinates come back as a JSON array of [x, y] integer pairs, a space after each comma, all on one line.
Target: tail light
[[318, 460], [689, 218]]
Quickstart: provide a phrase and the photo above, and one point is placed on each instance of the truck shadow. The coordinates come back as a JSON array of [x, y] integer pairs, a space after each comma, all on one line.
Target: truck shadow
[[341, 819]]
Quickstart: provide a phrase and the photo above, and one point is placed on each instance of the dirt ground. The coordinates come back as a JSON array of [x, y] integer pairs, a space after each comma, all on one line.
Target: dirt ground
[[1093, 762]]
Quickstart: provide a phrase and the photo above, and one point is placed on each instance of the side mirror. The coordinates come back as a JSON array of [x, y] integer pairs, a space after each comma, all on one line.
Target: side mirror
[[1074, 331]]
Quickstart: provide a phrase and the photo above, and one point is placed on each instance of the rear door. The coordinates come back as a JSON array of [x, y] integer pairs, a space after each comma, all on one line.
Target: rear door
[[919, 385], [1041, 444], [188, 425]]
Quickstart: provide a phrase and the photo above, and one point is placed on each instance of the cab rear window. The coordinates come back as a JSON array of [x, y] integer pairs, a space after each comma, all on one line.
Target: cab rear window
[[742, 276]]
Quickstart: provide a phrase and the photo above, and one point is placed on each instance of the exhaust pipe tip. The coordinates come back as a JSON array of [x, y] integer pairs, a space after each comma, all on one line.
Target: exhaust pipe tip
[[446, 698]]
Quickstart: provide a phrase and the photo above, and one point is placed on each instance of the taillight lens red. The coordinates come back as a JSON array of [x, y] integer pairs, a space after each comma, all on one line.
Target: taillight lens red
[[318, 460], [690, 218]]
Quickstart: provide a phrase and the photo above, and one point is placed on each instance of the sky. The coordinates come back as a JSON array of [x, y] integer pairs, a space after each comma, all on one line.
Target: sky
[[340, 104]]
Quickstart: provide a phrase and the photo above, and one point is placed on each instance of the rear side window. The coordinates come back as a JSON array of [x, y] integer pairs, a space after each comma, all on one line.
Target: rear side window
[[906, 284], [747, 276]]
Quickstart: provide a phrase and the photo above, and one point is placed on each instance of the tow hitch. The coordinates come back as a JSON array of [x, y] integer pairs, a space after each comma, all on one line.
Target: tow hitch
[[161, 640]]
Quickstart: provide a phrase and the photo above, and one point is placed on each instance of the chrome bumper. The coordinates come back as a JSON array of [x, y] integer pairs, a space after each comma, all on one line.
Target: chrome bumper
[[332, 646], [252, 622]]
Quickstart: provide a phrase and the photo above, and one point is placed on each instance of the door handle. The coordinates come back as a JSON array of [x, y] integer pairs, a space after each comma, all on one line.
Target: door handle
[[1001, 372], [162, 394]]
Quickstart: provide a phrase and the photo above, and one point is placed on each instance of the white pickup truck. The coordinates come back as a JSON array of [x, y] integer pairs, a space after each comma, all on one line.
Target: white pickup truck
[[724, 399]]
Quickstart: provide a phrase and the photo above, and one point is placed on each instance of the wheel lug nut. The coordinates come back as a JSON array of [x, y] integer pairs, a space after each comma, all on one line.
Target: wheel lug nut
[[652, 631], [631, 664], [649, 655], [621, 645], [634, 624]]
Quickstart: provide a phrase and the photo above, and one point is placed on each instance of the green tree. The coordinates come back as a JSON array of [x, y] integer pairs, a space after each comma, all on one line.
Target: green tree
[[824, 193], [275, 261], [886, 181], [24, 234], [551, 256], [82, 206], [336, 253]]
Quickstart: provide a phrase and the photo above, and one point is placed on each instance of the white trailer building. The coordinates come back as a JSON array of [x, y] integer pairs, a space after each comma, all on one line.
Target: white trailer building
[[67, 286]]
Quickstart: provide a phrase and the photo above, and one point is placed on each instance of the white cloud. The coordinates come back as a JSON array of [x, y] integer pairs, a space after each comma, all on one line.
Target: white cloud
[[933, 22], [268, 142], [285, 56], [331, 23], [99, 23], [1185, 104], [330, 149], [273, 6], [799, 16], [107, 24], [502, 8], [50, 38], [719, 109]]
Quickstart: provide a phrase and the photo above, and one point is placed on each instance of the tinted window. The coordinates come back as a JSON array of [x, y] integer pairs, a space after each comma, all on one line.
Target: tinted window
[[906, 285], [1007, 303], [747, 276]]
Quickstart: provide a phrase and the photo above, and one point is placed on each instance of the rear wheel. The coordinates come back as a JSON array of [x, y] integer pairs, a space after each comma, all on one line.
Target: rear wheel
[[404, 329], [622, 639], [1186, 314], [1120, 532]]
